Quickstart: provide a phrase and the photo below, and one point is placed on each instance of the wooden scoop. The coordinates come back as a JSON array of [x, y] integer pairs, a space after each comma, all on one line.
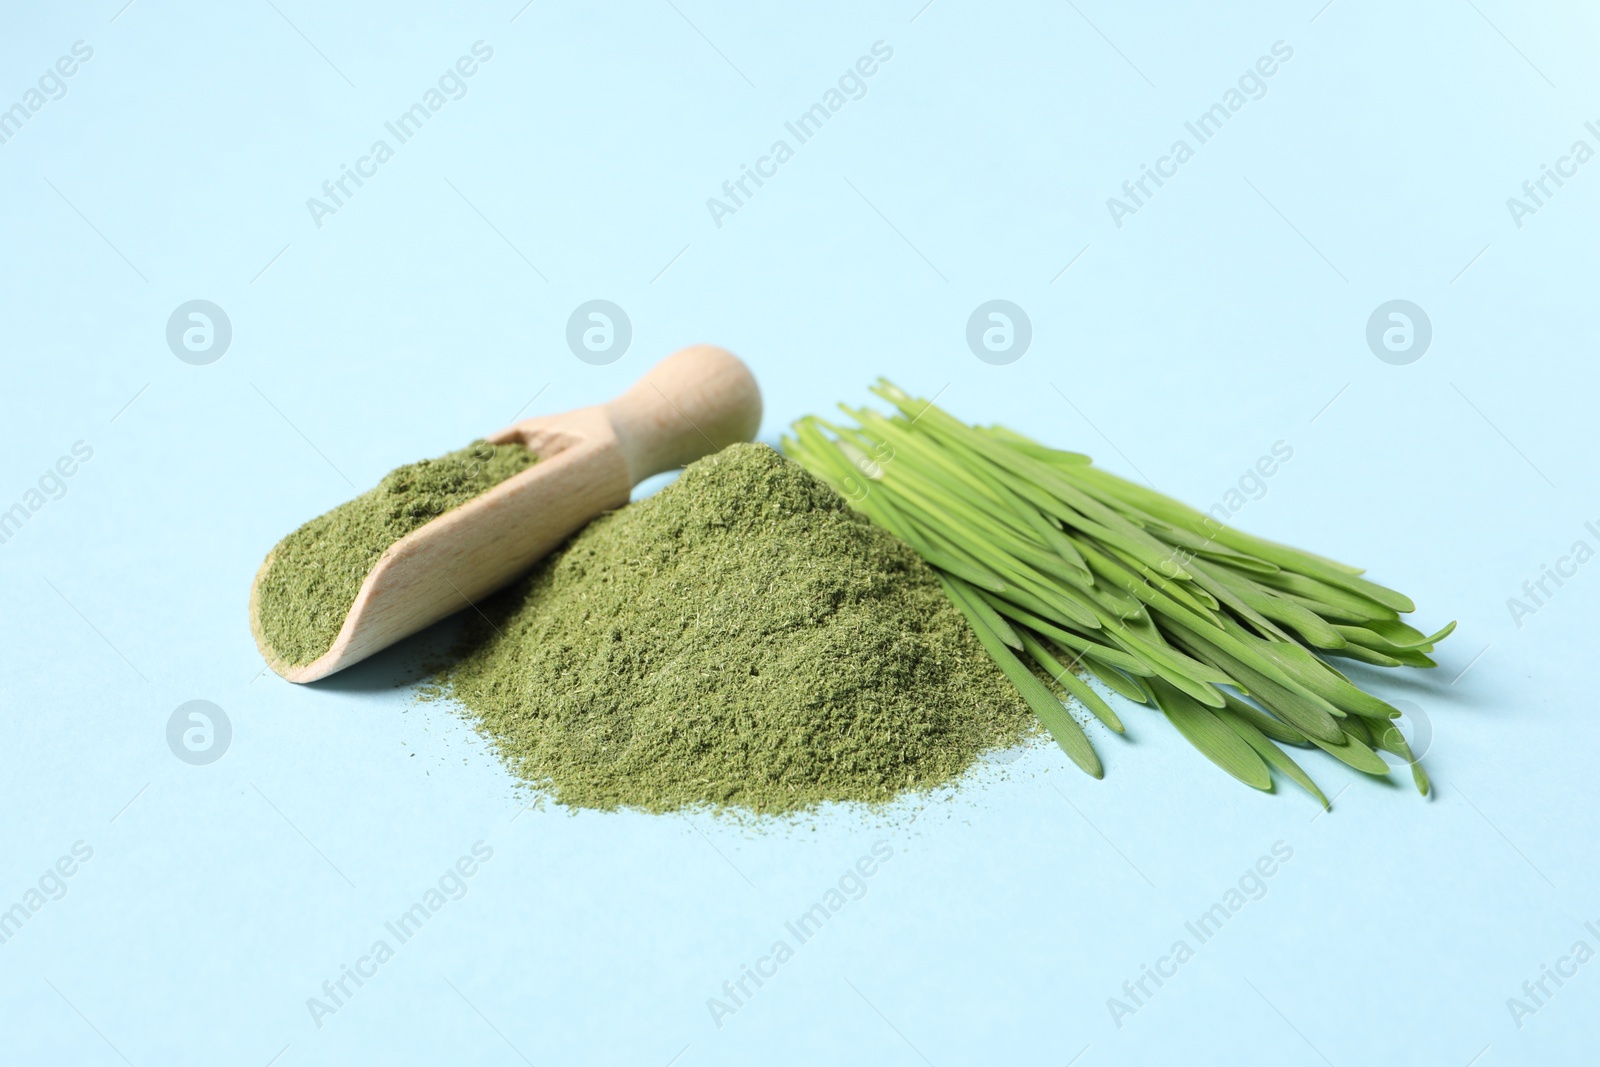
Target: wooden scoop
[[694, 402]]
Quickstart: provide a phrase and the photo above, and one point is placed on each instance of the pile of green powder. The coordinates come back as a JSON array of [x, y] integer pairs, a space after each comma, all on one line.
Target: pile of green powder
[[741, 639], [317, 571]]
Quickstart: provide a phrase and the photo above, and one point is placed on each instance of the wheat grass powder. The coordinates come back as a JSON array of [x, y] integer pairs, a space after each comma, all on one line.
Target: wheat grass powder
[[742, 639], [316, 572]]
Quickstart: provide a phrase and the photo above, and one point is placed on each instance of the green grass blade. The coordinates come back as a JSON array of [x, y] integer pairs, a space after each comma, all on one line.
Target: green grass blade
[[1326, 593], [1274, 756], [1274, 728], [1037, 450], [1364, 655], [1327, 683], [1401, 635], [1387, 736], [1071, 683], [1114, 679], [1066, 731], [991, 618], [1216, 741], [1159, 601], [1112, 657], [1356, 754], [1311, 627], [1311, 716]]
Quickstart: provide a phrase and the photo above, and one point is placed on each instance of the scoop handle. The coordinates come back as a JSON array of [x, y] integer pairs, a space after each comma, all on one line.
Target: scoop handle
[[697, 401]]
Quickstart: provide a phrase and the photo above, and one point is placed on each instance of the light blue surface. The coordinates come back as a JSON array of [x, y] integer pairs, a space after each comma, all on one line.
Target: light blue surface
[[1226, 315]]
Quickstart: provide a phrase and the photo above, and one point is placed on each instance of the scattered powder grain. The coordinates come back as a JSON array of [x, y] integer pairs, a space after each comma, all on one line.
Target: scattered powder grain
[[317, 571], [741, 639]]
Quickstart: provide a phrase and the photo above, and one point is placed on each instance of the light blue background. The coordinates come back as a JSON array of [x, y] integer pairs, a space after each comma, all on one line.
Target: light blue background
[[1227, 315]]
